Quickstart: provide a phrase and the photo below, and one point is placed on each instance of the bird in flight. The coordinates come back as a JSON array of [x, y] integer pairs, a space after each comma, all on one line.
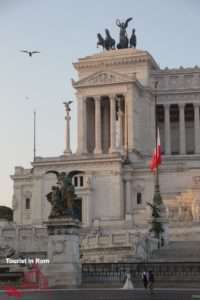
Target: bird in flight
[[30, 53]]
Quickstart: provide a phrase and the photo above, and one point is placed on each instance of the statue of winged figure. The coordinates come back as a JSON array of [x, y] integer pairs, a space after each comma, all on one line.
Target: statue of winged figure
[[123, 37], [67, 105], [62, 196]]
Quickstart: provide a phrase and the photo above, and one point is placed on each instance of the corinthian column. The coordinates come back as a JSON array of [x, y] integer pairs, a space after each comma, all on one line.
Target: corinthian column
[[112, 124], [82, 125], [196, 128], [98, 143], [67, 150], [182, 128], [167, 130], [120, 118]]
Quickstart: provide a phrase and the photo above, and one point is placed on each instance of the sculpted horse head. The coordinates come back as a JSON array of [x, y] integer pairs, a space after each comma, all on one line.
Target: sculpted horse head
[[109, 41], [101, 41]]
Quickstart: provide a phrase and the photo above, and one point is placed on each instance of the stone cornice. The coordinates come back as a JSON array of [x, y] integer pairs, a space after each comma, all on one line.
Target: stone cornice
[[115, 57], [180, 91], [176, 71], [103, 77], [26, 177], [77, 160]]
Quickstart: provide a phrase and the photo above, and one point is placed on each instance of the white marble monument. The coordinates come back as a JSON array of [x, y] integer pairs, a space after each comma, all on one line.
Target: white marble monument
[[116, 121]]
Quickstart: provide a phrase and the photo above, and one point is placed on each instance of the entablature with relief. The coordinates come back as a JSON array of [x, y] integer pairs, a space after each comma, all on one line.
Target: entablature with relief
[[179, 98], [177, 79], [115, 58], [103, 78]]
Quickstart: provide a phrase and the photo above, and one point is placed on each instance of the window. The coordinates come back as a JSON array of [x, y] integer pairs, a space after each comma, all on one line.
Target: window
[[28, 203], [81, 180], [75, 181], [78, 181], [139, 198]]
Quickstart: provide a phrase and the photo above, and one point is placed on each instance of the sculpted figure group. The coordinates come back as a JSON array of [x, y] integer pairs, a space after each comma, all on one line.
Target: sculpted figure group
[[124, 42], [62, 196]]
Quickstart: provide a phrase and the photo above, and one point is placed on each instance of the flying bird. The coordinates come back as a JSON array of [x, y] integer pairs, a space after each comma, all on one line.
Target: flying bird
[[30, 53]]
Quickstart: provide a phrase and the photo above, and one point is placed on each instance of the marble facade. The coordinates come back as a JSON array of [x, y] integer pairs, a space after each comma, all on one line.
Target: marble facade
[[116, 121]]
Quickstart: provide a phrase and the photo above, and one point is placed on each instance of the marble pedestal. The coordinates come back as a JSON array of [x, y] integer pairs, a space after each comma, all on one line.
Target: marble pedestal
[[64, 270]]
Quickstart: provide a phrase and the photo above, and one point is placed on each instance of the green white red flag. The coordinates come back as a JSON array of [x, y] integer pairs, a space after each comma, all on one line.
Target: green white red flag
[[156, 157]]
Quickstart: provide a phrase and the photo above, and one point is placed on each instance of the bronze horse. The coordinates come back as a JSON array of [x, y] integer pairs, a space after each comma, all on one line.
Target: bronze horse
[[108, 43]]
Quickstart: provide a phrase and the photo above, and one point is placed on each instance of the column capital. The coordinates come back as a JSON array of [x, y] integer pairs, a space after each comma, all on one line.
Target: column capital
[[97, 98], [112, 96], [84, 98], [167, 105], [181, 105], [128, 177], [196, 104]]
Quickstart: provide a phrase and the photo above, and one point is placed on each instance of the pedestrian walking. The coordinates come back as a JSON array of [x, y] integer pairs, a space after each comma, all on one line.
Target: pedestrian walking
[[151, 280], [145, 279]]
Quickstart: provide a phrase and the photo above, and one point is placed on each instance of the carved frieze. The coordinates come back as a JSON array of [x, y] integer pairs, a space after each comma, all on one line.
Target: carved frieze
[[104, 78]]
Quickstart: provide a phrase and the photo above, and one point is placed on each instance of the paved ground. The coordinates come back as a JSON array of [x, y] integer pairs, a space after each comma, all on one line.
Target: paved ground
[[106, 294]]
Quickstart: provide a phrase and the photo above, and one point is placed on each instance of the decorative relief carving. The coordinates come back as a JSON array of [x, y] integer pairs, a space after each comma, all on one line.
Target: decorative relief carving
[[184, 208], [102, 78]]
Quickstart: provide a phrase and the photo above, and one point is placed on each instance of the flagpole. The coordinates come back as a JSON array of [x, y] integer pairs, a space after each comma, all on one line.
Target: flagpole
[[34, 135], [157, 188], [157, 198]]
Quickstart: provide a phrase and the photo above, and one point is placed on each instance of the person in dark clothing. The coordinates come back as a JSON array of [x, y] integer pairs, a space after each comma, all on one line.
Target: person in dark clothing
[[151, 280], [145, 279]]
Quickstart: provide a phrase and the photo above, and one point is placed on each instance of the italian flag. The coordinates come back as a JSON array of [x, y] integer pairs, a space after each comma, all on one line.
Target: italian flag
[[156, 157]]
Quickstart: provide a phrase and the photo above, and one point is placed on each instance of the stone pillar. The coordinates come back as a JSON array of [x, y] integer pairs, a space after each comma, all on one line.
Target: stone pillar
[[87, 209], [182, 128], [167, 130], [112, 124], [98, 142], [120, 119], [64, 270], [130, 102], [82, 125], [196, 128], [128, 187], [67, 150]]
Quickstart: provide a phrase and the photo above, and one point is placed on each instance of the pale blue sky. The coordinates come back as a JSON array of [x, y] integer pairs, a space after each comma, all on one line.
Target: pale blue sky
[[64, 30]]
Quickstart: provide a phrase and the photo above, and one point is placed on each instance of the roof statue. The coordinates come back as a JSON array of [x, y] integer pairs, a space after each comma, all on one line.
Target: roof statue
[[108, 43], [62, 196]]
